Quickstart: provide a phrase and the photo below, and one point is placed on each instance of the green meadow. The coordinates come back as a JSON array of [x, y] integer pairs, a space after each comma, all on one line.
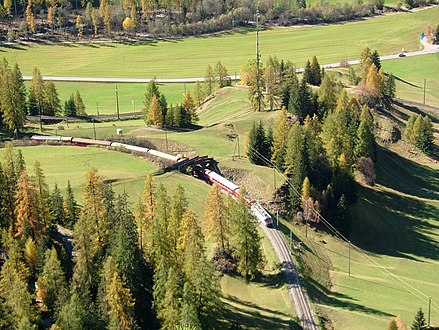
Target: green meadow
[[190, 57]]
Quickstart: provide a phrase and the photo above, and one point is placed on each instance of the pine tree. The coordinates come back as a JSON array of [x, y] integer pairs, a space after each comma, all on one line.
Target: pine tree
[[155, 112], [54, 281], [327, 95], [17, 298], [189, 317], [12, 98], [423, 131], [10, 173], [307, 74], [4, 216], [301, 103], [170, 309], [245, 239], [375, 57], [256, 144], [198, 271], [56, 207], [52, 105], [74, 314], [71, 208], [419, 321], [79, 104], [69, 107], [392, 325], [315, 72]]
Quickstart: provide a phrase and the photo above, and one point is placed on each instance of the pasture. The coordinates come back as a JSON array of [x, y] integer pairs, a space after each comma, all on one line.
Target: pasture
[[410, 73], [190, 57], [101, 97]]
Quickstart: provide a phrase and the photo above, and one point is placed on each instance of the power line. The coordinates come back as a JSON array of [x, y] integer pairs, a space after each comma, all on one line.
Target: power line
[[419, 294]]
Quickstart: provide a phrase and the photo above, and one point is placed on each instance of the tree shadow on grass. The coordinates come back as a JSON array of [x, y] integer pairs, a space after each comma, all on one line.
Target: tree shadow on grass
[[407, 176], [240, 314], [386, 223], [339, 300], [14, 47], [411, 109], [273, 281], [407, 82]]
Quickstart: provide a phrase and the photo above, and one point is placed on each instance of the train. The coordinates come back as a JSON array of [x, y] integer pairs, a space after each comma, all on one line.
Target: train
[[81, 142], [255, 207], [214, 178]]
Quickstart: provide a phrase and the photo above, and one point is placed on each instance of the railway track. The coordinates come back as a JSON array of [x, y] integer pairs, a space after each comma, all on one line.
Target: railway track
[[296, 290]]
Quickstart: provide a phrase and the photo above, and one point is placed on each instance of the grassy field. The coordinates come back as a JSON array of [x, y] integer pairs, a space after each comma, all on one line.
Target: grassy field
[[410, 73], [101, 97], [189, 57]]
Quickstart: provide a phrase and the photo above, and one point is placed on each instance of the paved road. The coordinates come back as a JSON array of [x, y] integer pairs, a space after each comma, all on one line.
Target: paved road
[[296, 290], [428, 49]]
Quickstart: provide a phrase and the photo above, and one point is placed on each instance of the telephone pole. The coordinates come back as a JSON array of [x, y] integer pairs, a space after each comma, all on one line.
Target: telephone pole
[[117, 103], [258, 64]]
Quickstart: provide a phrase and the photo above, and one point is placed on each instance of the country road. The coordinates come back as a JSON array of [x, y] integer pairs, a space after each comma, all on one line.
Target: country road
[[428, 49]]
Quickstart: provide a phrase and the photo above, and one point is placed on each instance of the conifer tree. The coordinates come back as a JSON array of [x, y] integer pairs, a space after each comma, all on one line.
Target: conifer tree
[[10, 173], [188, 107], [36, 93], [209, 78], [327, 95], [79, 105], [152, 90], [307, 73], [27, 209], [56, 207], [280, 134], [118, 298], [216, 225], [18, 300], [245, 239], [198, 271], [221, 75], [365, 142], [392, 325], [257, 144], [198, 93], [160, 231], [69, 107], [52, 105], [178, 207], [189, 317], [315, 71], [155, 112], [71, 208], [146, 210], [12, 97], [74, 314], [54, 281], [4, 216], [419, 321], [300, 103], [170, 310]]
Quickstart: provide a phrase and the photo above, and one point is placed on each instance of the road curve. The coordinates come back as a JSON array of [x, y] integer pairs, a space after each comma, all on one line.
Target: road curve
[[296, 290], [428, 49]]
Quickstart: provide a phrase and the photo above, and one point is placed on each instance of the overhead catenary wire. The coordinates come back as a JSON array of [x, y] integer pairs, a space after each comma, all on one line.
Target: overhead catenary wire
[[407, 286]]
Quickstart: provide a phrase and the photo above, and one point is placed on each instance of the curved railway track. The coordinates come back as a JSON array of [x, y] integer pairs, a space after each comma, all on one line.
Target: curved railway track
[[296, 290]]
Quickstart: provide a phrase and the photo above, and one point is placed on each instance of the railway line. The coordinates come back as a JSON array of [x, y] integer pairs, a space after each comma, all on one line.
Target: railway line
[[296, 290]]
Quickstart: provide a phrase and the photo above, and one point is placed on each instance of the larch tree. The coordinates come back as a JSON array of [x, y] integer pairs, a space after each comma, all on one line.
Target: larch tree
[[199, 93], [36, 93], [221, 75], [119, 300], [155, 112], [245, 239], [71, 208], [52, 104], [79, 104], [216, 224], [280, 133], [365, 141], [56, 207], [29, 219], [79, 26], [160, 230], [209, 79], [189, 107], [146, 211], [179, 206]]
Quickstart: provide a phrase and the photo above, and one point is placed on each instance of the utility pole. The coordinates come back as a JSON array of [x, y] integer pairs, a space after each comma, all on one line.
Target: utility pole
[[425, 84], [117, 104], [258, 58], [349, 258], [94, 128], [429, 311], [277, 218], [39, 112]]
